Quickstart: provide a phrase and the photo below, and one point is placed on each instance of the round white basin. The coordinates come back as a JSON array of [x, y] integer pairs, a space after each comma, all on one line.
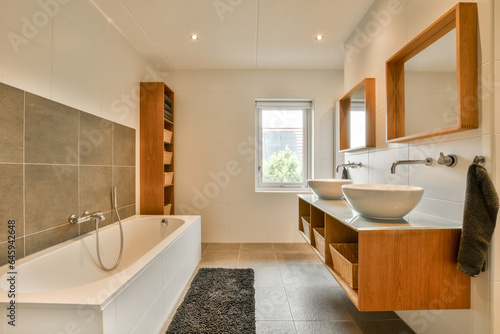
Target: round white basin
[[328, 188], [382, 201]]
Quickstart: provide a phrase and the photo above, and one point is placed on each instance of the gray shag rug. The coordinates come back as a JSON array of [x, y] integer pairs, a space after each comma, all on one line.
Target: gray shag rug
[[218, 301]]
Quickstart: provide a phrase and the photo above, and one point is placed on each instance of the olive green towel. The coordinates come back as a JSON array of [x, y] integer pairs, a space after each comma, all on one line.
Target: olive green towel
[[480, 215]]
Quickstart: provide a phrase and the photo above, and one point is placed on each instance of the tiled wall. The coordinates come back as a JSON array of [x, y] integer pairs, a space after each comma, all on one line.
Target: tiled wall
[[56, 161], [215, 128], [394, 23]]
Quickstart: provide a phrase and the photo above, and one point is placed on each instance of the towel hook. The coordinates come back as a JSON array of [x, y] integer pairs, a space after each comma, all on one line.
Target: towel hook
[[479, 159]]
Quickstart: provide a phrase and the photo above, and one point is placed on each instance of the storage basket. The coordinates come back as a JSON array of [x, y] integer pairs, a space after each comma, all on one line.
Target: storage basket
[[169, 177], [167, 209], [319, 237], [167, 157], [167, 136], [306, 222], [345, 262]]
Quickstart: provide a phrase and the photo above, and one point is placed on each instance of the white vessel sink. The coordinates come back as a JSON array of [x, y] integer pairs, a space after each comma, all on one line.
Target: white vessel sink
[[328, 188], [382, 201]]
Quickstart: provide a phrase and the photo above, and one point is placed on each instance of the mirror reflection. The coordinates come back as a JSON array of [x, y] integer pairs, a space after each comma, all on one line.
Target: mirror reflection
[[430, 80], [357, 122], [357, 117]]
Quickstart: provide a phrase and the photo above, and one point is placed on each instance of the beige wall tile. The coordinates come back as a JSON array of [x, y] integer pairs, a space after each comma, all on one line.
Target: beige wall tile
[[11, 124]]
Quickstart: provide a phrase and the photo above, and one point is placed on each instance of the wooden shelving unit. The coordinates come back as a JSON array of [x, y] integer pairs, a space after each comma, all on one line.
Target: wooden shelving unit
[[399, 269], [157, 198]]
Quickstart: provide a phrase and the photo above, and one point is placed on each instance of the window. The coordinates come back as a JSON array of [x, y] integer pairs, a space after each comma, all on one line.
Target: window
[[283, 145]]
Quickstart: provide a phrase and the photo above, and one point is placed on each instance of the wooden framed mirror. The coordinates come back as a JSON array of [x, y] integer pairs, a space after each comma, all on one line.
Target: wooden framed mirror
[[357, 117], [432, 81]]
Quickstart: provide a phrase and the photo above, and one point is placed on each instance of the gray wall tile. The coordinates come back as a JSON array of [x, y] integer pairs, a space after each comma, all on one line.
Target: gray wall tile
[[124, 213], [89, 226], [95, 188], [51, 132], [123, 145], [51, 196], [95, 140], [39, 241], [11, 199], [4, 248], [124, 181], [11, 124], [37, 187]]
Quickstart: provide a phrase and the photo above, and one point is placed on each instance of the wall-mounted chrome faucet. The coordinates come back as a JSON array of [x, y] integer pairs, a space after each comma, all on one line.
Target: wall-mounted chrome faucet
[[74, 219], [350, 165], [427, 162], [449, 160]]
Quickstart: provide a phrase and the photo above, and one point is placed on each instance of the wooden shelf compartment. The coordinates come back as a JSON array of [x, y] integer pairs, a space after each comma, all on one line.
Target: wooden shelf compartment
[[410, 269], [304, 211], [317, 221]]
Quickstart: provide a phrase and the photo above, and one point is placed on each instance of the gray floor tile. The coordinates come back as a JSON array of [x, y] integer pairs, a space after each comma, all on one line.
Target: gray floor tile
[[258, 247], [320, 303], [220, 259], [275, 327], [268, 277], [286, 259], [251, 259], [222, 247], [333, 282], [360, 316], [204, 247], [384, 327], [327, 327], [298, 247], [271, 304], [304, 275]]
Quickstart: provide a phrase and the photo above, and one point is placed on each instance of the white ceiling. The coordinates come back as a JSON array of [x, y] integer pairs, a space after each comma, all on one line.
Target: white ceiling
[[237, 34]]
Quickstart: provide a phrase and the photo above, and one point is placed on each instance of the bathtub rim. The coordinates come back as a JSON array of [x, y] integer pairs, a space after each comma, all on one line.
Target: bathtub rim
[[128, 275]]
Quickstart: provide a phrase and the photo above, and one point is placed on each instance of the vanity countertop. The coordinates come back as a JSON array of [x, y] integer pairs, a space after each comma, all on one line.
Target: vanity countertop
[[342, 211]]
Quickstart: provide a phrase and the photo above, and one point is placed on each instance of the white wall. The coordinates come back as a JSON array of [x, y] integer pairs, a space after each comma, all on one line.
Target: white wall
[[67, 51], [386, 28], [215, 131]]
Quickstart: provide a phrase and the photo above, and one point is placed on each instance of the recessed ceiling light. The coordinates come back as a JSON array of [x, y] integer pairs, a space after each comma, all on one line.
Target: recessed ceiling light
[[318, 37], [194, 37]]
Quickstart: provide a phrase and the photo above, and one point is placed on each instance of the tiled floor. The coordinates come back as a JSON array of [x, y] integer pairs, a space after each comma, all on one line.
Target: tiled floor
[[295, 293]]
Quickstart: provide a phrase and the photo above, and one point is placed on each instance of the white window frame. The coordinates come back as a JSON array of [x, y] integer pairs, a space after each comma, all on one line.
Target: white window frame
[[307, 154]]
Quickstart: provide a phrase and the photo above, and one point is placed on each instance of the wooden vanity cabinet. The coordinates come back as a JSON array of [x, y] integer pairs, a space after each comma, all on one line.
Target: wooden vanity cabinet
[[399, 269]]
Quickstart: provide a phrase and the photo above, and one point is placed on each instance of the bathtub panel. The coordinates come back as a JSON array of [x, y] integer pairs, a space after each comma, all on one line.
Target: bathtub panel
[[193, 235], [193, 259], [152, 321], [35, 320], [172, 259], [132, 303], [174, 289], [109, 319]]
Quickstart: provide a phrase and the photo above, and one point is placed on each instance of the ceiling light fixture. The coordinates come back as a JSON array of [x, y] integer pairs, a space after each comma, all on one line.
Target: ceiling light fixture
[[194, 37], [318, 37]]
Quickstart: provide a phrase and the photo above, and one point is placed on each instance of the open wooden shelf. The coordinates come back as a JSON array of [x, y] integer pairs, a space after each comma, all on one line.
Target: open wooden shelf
[[155, 195], [399, 269]]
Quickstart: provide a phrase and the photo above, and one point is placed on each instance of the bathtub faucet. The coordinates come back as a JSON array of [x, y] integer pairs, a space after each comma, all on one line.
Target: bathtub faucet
[[74, 219]]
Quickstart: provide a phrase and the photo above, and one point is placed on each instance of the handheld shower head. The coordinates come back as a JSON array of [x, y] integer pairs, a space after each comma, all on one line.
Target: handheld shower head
[[114, 198]]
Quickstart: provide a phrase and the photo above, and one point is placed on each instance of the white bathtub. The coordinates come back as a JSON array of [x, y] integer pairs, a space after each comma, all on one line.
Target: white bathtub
[[61, 290]]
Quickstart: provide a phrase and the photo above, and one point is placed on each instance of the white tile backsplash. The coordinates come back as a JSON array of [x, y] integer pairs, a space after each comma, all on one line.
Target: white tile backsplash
[[439, 181]]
